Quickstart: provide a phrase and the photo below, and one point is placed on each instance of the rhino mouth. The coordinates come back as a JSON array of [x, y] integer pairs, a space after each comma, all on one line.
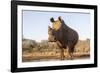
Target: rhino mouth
[[52, 40]]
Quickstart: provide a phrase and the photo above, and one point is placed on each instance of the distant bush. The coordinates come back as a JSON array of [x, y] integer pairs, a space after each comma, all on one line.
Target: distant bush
[[28, 44], [44, 45]]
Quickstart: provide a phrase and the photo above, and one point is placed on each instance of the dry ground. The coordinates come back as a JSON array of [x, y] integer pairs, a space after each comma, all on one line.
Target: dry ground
[[45, 56]]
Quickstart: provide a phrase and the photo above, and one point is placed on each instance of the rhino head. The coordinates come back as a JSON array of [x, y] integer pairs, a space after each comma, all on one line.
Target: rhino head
[[55, 32], [51, 34]]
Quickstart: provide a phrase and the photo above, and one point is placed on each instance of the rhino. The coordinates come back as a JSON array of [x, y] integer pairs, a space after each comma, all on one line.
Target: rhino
[[64, 36]]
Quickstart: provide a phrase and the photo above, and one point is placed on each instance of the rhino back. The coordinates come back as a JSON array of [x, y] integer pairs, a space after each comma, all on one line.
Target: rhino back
[[67, 36]]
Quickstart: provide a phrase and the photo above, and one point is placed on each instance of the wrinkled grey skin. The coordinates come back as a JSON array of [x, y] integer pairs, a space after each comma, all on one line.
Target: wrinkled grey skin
[[65, 37]]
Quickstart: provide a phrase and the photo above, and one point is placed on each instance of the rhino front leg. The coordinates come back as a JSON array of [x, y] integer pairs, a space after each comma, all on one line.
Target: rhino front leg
[[70, 53], [62, 54]]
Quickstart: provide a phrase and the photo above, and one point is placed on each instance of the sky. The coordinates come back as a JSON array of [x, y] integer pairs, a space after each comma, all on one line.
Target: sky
[[35, 23]]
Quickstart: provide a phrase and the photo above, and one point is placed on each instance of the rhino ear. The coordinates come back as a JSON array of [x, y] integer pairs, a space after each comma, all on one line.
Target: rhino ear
[[52, 19], [59, 18]]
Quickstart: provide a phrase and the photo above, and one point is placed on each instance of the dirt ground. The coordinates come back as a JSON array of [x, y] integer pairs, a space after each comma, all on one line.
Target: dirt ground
[[47, 56]]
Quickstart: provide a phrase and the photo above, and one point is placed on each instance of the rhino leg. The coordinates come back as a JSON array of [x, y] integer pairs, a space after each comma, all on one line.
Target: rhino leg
[[62, 54], [71, 55], [70, 52]]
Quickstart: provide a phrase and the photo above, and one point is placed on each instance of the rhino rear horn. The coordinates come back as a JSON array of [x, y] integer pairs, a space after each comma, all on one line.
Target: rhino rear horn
[[52, 19]]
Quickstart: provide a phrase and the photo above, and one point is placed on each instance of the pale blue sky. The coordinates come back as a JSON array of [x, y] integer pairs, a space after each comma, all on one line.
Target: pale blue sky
[[35, 23]]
